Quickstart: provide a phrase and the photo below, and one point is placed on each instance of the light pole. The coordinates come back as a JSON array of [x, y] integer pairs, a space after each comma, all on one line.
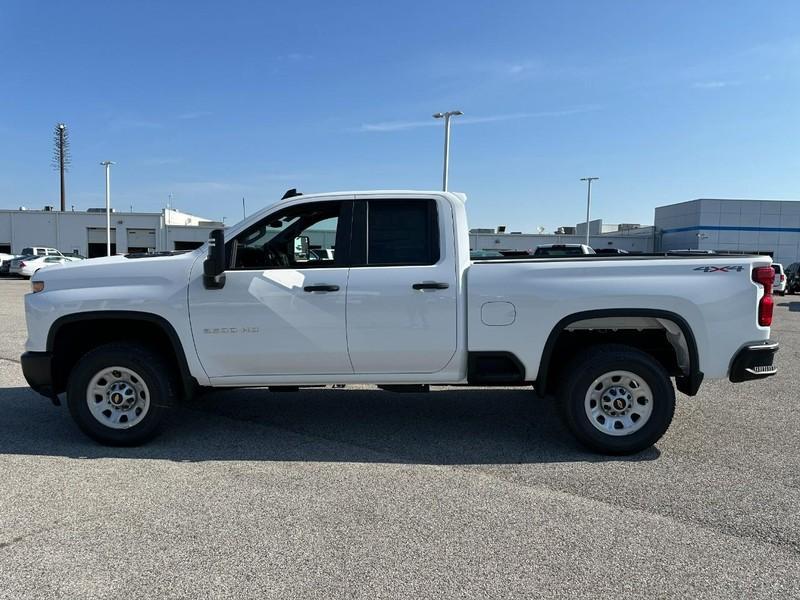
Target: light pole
[[107, 164], [166, 222], [446, 116], [589, 181]]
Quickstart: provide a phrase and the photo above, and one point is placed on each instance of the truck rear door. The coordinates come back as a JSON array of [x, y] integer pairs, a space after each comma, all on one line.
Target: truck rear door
[[402, 292]]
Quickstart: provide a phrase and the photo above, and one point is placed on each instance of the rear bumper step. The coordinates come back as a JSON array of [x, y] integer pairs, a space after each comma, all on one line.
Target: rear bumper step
[[754, 361]]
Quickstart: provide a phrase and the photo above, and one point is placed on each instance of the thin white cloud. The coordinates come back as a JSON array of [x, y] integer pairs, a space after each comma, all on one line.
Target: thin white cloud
[[198, 114], [714, 85], [387, 126]]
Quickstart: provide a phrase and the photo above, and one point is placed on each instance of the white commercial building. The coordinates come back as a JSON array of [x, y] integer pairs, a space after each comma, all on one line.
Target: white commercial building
[[78, 232], [747, 226]]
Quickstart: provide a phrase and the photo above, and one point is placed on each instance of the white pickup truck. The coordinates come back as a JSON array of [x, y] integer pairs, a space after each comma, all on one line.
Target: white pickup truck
[[378, 288]]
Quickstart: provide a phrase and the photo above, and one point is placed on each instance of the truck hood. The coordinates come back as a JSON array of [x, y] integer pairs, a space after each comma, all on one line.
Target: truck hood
[[120, 271]]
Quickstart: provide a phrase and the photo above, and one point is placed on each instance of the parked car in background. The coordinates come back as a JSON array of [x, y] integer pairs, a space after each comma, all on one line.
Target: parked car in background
[[40, 251], [617, 251], [793, 278], [689, 252], [478, 254], [562, 250], [780, 279], [5, 258], [12, 266], [27, 267]]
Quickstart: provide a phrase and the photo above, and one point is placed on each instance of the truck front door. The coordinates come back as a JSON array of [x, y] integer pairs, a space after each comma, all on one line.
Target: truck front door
[[282, 308]]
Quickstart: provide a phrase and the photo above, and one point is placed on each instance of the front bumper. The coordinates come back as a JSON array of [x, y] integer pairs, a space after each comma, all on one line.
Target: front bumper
[[37, 367], [754, 361]]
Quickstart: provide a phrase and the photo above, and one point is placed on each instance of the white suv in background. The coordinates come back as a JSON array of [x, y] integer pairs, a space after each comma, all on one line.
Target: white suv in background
[[40, 251], [780, 280]]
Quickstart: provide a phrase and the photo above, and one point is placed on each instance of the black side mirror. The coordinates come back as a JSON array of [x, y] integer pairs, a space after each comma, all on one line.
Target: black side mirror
[[214, 265]]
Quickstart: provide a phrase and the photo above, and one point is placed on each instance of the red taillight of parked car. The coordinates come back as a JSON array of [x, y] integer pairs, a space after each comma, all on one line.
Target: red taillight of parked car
[[22, 264], [765, 276], [783, 277]]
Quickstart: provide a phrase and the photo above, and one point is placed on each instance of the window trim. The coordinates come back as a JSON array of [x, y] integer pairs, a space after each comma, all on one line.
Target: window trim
[[360, 235], [341, 250]]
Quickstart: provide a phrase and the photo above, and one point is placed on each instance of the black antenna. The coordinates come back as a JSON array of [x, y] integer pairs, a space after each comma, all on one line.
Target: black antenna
[[291, 194]]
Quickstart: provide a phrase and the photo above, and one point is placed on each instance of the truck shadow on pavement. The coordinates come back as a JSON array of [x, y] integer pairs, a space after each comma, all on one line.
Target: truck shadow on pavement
[[793, 306], [451, 426]]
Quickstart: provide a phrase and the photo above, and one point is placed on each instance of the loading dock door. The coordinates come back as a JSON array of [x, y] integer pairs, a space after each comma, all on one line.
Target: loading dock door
[[96, 237], [141, 240]]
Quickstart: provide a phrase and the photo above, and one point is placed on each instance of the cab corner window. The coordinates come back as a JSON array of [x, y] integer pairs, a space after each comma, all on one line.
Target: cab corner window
[[402, 232], [299, 237]]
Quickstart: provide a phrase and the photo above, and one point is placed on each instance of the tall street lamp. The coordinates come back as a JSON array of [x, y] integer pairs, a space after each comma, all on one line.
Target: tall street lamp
[[446, 116], [589, 181], [107, 164]]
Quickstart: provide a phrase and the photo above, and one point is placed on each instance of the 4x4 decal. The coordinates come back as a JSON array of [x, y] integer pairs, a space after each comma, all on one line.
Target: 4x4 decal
[[724, 269]]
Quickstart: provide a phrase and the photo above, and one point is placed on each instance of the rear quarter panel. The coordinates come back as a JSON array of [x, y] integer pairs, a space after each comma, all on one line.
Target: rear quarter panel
[[719, 305]]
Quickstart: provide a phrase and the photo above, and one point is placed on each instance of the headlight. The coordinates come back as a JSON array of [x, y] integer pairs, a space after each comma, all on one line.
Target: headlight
[[37, 286]]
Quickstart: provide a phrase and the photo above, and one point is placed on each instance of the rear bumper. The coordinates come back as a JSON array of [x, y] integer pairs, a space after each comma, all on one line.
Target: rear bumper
[[37, 367], [754, 361]]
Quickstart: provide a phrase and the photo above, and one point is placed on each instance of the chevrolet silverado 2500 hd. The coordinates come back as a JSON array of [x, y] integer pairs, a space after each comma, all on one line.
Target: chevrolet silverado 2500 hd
[[378, 287]]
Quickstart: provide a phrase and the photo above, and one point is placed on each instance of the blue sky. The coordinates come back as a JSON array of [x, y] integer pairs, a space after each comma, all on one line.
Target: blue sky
[[664, 101]]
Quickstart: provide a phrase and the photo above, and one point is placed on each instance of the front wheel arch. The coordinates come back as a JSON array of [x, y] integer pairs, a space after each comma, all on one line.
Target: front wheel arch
[[73, 335]]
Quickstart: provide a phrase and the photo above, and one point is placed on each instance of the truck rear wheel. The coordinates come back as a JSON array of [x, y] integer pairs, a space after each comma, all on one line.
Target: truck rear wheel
[[119, 393], [616, 399]]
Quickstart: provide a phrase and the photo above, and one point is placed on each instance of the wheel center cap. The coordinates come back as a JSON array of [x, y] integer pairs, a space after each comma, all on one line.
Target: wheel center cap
[[121, 395], [619, 403]]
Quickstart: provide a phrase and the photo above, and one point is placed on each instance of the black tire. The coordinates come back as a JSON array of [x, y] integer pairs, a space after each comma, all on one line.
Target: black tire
[[151, 369], [592, 364]]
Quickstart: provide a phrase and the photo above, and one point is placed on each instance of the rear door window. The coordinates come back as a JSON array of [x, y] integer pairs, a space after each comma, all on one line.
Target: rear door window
[[402, 232]]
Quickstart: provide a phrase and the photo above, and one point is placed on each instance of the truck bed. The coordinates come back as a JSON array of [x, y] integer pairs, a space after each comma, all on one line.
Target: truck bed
[[514, 304]]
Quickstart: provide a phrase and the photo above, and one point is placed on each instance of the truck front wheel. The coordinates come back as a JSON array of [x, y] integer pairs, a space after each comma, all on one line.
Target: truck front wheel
[[616, 399], [119, 393]]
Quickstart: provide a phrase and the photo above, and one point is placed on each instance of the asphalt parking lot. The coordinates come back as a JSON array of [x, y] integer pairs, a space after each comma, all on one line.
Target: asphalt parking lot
[[365, 494]]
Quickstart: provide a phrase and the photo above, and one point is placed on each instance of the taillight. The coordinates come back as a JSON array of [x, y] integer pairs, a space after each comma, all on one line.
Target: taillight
[[783, 277], [22, 264], [765, 276]]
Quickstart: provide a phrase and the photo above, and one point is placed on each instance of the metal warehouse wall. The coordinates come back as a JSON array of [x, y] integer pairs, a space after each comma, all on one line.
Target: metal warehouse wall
[[733, 225], [69, 230]]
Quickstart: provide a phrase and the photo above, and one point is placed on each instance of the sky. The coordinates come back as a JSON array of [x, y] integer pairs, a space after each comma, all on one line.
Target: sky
[[215, 101]]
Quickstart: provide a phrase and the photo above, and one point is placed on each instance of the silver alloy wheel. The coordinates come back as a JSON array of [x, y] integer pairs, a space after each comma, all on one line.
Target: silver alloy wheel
[[619, 403], [118, 397]]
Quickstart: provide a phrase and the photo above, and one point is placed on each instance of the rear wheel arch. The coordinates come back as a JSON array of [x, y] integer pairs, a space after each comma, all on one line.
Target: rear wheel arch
[[72, 336], [687, 382]]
